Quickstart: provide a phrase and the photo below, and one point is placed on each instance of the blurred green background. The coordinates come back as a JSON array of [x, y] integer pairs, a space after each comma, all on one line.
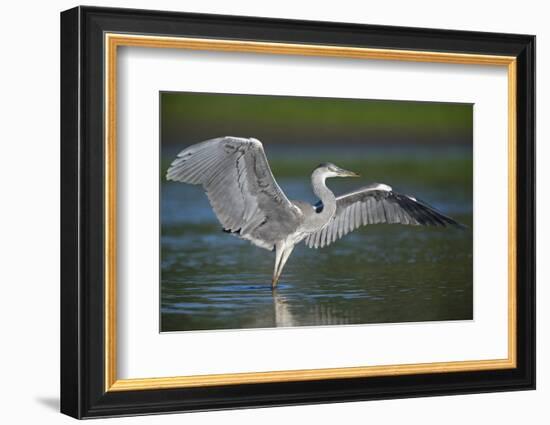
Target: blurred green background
[[306, 126], [379, 274], [310, 120]]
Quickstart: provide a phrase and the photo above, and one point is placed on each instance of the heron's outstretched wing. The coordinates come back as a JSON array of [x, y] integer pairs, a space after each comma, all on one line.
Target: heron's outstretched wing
[[240, 186], [376, 203]]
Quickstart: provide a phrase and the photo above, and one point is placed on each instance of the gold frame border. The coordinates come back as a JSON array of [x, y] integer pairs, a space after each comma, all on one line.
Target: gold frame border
[[113, 41]]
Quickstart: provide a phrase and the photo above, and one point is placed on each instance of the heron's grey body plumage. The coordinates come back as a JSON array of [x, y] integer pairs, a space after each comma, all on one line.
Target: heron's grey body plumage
[[249, 203]]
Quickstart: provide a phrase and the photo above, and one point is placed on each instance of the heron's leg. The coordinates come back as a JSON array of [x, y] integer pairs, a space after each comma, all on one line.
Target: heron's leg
[[279, 249], [287, 250]]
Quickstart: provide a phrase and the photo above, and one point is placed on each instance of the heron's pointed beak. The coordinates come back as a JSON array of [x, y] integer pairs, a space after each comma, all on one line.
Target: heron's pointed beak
[[347, 173]]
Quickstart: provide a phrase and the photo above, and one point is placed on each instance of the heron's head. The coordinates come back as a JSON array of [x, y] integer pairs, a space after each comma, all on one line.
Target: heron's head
[[328, 169]]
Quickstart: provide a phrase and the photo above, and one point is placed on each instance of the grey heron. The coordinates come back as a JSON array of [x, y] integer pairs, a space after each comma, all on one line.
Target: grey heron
[[248, 202]]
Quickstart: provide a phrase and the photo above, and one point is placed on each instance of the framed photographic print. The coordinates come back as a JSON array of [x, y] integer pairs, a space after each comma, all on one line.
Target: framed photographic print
[[261, 212]]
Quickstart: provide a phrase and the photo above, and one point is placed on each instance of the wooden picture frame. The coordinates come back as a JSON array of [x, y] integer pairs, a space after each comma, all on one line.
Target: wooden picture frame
[[90, 38]]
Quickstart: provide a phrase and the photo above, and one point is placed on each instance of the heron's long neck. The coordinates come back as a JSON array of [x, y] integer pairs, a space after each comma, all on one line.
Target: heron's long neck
[[324, 194]]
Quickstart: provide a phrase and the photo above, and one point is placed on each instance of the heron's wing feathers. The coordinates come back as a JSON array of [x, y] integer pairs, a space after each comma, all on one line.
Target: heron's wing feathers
[[376, 203], [240, 186]]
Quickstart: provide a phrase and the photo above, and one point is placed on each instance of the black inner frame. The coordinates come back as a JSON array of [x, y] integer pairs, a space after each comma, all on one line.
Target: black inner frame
[[82, 207]]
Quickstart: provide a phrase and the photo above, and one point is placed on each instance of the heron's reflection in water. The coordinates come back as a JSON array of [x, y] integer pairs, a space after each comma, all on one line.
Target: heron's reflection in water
[[316, 314], [283, 315]]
